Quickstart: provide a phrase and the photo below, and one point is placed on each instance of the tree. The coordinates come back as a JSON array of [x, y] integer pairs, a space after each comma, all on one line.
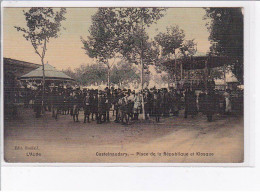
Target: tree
[[70, 73], [226, 29], [188, 48], [93, 74], [170, 42], [133, 41], [43, 23], [102, 42], [124, 74], [173, 43]]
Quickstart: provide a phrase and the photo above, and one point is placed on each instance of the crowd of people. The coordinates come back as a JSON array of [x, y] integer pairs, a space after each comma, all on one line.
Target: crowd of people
[[126, 105]]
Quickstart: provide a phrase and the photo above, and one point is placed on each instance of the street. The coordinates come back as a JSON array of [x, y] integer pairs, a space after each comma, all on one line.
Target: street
[[173, 140]]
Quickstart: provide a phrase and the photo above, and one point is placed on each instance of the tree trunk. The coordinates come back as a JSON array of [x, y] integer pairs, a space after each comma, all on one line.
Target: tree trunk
[[175, 68], [108, 77], [43, 85], [142, 70], [225, 80], [142, 87], [206, 76], [181, 71], [169, 79]]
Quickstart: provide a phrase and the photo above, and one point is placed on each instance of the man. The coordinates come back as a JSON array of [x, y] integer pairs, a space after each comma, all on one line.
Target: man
[[99, 107], [202, 98], [26, 96], [210, 104], [52, 99], [165, 104], [49, 98], [190, 103], [55, 104], [130, 104], [112, 99], [76, 106], [115, 104], [94, 105], [123, 109], [104, 105], [64, 102], [67, 99], [58, 103], [70, 102], [157, 105], [86, 106], [147, 104], [137, 105], [107, 104], [38, 104]]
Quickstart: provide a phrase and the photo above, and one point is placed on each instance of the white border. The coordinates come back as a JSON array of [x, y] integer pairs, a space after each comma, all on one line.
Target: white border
[[249, 68]]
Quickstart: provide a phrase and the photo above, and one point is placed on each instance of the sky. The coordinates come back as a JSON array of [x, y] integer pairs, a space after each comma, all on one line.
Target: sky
[[66, 51]]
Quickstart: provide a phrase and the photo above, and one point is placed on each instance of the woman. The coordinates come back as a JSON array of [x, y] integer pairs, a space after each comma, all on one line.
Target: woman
[[227, 102]]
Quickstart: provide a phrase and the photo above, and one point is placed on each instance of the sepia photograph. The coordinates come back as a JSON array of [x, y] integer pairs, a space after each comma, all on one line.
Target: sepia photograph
[[123, 85]]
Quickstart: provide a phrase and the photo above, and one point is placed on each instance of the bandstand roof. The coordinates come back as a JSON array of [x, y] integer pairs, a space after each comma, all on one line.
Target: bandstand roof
[[51, 73]]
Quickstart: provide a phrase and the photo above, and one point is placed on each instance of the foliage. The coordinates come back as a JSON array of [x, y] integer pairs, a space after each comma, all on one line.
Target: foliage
[[102, 42], [121, 32], [43, 23], [173, 43], [70, 73], [124, 74], [227, 37], [136, 46], [217, 73], [92, 74], [171, 40], [188, 48], [132, 17], [134, 41]]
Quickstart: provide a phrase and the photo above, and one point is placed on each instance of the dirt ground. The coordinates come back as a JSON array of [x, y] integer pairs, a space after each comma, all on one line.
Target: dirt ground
[[173, 140]]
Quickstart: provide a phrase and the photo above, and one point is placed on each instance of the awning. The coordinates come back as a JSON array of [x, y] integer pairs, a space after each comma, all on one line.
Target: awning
[[200, 62]]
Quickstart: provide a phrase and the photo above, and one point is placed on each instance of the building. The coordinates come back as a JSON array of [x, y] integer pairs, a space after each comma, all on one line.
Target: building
[[13, 69]]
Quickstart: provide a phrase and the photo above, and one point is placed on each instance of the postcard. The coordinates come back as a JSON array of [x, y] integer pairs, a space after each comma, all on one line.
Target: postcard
[[128, 85]]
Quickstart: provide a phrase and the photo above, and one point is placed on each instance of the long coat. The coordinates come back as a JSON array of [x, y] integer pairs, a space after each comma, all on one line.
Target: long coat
[[86, 105], [190, 103], [157, 102], [210, 104]]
